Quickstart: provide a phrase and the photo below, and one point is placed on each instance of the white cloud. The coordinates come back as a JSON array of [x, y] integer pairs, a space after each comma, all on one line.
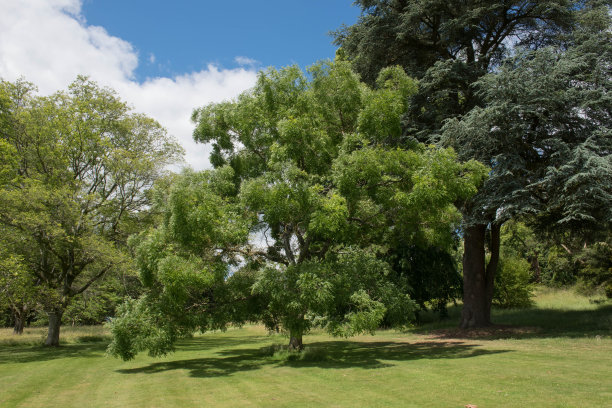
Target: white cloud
[[49, 43], [172, 100], [246, 61]]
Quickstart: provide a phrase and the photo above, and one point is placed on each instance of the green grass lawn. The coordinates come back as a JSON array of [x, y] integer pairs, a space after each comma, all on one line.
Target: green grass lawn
[[556, 355]]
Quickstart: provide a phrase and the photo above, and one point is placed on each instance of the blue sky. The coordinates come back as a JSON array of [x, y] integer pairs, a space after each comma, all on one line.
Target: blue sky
[[186, 35], [165, 58]]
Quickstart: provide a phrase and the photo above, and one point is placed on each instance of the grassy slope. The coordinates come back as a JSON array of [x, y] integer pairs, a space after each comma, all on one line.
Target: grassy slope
[[562, 360]]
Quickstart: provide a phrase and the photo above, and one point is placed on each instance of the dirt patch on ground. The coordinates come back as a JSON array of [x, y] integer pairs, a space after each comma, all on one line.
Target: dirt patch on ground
[[492, 332]]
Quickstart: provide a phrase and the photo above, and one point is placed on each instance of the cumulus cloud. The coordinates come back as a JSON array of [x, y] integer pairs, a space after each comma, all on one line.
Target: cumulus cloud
[[49, 43]]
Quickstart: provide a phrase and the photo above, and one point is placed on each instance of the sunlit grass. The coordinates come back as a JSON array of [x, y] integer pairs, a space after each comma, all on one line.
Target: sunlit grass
[[565, 362], [69, 335], [566, 299]]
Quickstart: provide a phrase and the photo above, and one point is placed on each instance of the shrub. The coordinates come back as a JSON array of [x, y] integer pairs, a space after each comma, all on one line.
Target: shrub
[[596, 268], [559, 268], [512, 287], [608, 290]]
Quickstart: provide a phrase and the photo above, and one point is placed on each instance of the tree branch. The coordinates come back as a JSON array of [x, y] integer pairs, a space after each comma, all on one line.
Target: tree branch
[[74, 292]]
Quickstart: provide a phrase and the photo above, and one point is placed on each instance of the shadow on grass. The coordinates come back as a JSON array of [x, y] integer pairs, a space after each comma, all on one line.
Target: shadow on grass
[[95, 346], [327, 355], [207, 342], [529, 323], [26, 354]]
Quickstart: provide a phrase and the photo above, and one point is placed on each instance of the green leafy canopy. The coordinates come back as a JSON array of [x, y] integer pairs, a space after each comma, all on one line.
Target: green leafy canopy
[[290, 227]]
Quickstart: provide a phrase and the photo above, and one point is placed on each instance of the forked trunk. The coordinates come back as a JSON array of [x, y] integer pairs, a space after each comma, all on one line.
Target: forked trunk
[[478, 277], [20, 314], [474, 313], [55, 320]]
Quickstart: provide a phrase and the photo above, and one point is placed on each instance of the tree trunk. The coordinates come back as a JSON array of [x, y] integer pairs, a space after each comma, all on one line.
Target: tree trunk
[[19, 324], [474, 313], [535, 266], [478, 277], [55, 320], [492, 268], [295, 341], [20, 314]]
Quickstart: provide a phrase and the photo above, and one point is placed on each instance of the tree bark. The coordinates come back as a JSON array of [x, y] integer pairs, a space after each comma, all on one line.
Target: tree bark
[[474, 313], [295, 341], [20, 314], [55, 320], [535, 266], [19, 324], [491, 269], [478, 276]]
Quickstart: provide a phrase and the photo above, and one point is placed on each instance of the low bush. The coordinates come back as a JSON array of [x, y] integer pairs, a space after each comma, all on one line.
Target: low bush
[[512, 283], [595, 274]]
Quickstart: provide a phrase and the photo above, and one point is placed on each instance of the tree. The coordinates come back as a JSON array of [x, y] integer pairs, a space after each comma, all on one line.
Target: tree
[[545, 129], [293, 219], [455, 48], [448, 44], [84, 165]]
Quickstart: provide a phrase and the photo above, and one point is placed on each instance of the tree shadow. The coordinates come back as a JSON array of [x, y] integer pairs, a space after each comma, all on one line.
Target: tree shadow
[[205, 367], [326, 355], [26, 354], [530, 323], [207, 342], [562, 323]]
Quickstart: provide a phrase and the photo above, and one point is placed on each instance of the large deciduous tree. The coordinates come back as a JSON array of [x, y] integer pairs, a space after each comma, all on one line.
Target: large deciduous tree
[[548, 134], [83, 166], [304, 197]]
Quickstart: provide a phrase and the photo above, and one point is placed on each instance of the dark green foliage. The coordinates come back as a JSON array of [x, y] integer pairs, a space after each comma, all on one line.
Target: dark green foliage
[[544, 129], [596, 267], [415, 34], [543, 132], [429, 274], [586, 265]]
